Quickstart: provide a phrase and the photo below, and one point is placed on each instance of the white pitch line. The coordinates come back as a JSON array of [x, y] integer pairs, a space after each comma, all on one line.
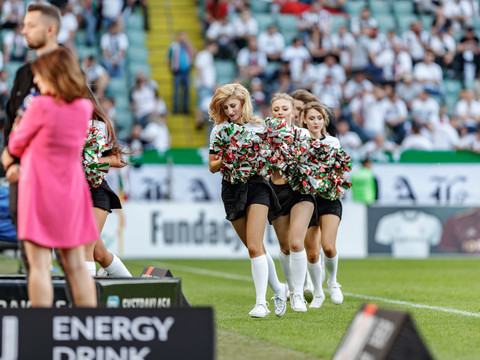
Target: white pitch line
[[359, 296]]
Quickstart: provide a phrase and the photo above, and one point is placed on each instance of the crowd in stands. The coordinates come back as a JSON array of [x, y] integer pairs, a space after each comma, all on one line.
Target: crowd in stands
[[407, 82], [96, 32]]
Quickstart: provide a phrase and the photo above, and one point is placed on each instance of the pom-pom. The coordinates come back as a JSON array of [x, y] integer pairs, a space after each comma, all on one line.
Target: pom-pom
[[95, 144]]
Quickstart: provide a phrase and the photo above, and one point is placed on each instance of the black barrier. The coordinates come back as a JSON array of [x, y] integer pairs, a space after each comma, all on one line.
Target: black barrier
[[136, 292], [379, 334], [107, 334], [151, 271]]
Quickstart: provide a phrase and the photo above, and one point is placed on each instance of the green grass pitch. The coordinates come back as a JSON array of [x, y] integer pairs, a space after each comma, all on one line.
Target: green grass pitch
[[441, 294]]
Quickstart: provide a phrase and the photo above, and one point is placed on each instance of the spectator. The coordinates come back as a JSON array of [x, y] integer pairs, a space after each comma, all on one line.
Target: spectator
[[408, 89], [416, 140], [90, 20], [364, 185], [245, 27], [360, 59], [272, 43], [296, 54], [358, 23], [394, 62], [426, 111], [114, 45], [12, 14], [180, 60], [469, 141], [135, 142], [444, 46], [68, 27], [316, 16], [15, 47], [223, 33], [468, 56], [260, 105], [377, 42], [415, 40], [108, 106], [112, 12], [205, 79], [331, 67], [215, 10], [156, 134], [379, 148], [349, 140], [395, 112], [429, 74], [251, 61], [308, 76], [356, 85], [445, 135], [145, 101], [97, 76], [319, 45], [467, 110], [329, 92], [143, 4], [367, 113], [343, 44]]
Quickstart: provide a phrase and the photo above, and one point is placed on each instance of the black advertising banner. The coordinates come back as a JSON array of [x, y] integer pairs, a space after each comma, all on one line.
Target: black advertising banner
[[107, 334], [418, 231], [136, 292], [380, 334]]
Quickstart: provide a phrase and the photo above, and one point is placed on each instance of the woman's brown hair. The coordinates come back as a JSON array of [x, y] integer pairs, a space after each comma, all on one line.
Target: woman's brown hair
[[62, 71]]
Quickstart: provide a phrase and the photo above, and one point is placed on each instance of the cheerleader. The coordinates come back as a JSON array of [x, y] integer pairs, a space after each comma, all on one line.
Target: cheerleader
[[292, 220], [314, 117], [104, 198], [247, 204]]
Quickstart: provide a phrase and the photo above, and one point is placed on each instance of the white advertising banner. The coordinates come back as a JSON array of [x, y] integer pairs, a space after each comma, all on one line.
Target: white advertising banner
[[407, 184], [428, 184], [164, 229]]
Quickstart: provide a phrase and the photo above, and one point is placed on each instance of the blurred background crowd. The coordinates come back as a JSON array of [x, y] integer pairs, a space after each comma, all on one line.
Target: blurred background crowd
[[398, 74]]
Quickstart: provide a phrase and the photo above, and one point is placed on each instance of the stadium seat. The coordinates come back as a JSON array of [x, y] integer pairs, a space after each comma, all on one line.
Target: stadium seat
[[403, 7], [136, 37], [134, 67], [264, 21], [385, 22], [379, 7], [287, 23], [117, 87], [134, 22], [260, 6], [137, 53], [354, 8], [427, 20], [452, 87], [86, 51], [80, 37], [289, 36], [122, 103], [404, 21], [337, 21], [226, 71], [124, 120]]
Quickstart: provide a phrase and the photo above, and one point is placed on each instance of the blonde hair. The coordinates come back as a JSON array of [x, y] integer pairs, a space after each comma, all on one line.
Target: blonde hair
[[283, 96], [322, 109], [225, 92]]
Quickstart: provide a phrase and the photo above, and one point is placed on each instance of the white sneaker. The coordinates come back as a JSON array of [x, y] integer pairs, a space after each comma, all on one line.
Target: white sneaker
[[280, 301], [259, 311], [317, 301], [298, 303], [335, 293]]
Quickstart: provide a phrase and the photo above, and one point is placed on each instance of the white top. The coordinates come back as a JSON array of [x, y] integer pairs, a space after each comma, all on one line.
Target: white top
[[221, 32], [103, 129], [470, 110], [427, 111], [144, 99], [331, 141], [206, 72], [248, 28], [68, 24], [336, 71], [158, 136], [415, 45], [15, 10], [114, 44], [295, 56], [353, 87], [271, 44], [17, 42], [428, 73], [94, 72], [111, 8], [410, 233], [417, 142], [245, 57], [350, 140]]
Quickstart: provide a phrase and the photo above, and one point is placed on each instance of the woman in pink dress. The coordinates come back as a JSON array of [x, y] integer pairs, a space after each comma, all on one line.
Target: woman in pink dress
[[54, 204]]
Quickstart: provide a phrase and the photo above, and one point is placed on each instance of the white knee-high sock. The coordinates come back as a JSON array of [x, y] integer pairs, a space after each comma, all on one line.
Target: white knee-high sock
[[298, 265], [260, 277], [315, 271], [272, 276], [117, 268], [287, 272], [91, 267], [331, 264], [322, 264]]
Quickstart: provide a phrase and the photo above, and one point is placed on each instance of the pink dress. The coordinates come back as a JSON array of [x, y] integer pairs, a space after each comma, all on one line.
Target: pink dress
[[54, 202]]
